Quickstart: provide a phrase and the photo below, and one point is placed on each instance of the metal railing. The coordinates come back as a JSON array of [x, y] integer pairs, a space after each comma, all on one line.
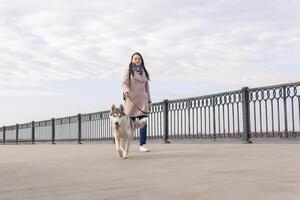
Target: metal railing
[[275, 111], [271, 112]]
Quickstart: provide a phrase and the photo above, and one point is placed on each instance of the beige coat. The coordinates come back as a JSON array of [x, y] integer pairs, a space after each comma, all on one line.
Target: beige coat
[[139, 89]]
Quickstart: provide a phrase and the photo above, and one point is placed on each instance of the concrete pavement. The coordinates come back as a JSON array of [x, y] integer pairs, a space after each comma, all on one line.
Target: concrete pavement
[[169, 171]]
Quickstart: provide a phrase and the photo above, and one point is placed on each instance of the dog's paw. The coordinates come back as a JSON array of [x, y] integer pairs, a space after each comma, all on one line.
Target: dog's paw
[[125, 157]]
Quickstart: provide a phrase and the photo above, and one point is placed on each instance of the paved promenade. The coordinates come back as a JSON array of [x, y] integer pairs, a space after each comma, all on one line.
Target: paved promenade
[[169, 171]]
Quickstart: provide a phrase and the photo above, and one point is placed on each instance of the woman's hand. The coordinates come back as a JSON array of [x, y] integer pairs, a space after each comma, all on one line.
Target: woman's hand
[[149, 104], [128, 95]]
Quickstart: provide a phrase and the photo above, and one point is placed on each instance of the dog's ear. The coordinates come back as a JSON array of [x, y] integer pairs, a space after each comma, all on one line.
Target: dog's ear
[[121, 108], [113, 108]]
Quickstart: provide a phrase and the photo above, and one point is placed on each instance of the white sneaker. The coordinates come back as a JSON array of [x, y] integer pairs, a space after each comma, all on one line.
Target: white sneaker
[[143, 149]]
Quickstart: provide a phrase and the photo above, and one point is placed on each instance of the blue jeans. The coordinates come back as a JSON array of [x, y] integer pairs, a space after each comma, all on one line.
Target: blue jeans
[[143, 131]]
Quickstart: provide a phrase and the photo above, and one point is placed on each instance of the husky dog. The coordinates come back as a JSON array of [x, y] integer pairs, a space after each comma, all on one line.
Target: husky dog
[[123, 128]]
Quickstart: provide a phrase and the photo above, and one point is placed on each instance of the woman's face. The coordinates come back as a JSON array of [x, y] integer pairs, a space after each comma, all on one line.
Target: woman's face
[[136, 59]]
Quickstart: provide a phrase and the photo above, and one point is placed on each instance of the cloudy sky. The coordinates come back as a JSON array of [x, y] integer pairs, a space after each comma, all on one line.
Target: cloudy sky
[[64, 57]]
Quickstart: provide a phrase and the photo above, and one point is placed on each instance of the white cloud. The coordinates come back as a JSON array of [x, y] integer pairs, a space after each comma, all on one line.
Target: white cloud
[[205, 41]]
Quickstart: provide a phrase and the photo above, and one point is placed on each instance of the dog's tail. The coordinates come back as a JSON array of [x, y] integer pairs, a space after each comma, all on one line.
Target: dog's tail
[[139, 123]]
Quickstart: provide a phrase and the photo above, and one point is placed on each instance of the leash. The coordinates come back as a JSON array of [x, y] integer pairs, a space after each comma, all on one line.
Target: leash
[[147, 113]]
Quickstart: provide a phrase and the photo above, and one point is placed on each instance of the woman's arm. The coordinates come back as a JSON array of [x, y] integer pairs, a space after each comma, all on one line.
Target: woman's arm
[[125, 84], [148, 92]]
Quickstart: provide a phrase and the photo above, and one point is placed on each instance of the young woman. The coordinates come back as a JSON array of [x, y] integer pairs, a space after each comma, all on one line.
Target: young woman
[[136, 94]]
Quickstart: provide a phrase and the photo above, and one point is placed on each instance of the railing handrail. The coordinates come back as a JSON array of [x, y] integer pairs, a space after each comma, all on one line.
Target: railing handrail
[[274, 86], [205, 96]]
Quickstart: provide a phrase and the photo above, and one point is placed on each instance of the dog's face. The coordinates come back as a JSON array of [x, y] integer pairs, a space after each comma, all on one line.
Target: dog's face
[[117, 116]]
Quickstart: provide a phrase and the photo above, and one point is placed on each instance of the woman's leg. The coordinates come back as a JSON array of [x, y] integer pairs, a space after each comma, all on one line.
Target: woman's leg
[[143, 137], [143, 133]]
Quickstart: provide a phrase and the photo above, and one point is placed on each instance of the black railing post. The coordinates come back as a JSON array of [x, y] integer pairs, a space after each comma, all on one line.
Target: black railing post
[[33, 132], [79, 128], [17, 133], [214, 117], [53, 130], [3, 134], [285, 112], [246, 115], [189, 105], [166, 121]]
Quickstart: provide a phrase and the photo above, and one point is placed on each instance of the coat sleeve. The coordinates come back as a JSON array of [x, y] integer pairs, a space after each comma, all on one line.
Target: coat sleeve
[[148, 91], [125, 83]]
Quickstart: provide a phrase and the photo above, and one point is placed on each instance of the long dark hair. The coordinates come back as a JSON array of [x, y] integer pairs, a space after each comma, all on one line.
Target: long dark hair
[[131, 71]]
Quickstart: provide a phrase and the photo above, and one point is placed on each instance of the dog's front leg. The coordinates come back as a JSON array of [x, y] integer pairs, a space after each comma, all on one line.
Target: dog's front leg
[[126, 150], [118, 148]]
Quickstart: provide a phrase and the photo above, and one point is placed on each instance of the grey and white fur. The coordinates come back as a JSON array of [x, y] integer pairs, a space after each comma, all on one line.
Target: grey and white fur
[[123, 129]]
